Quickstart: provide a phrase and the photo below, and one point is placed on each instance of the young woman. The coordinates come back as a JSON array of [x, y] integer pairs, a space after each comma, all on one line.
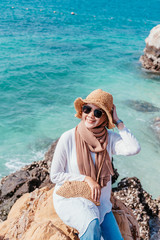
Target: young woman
[[78, 157]]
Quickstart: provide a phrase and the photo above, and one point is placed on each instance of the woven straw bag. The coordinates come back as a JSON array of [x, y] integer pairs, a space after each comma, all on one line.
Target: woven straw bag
[[76, 189]]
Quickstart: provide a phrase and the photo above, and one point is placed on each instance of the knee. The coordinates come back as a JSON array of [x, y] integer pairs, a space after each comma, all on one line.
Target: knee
[[93, 231], [95, 225]]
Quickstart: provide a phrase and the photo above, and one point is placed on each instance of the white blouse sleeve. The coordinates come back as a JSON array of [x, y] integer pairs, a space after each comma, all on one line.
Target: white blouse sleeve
[[58, 172], [124, 143]]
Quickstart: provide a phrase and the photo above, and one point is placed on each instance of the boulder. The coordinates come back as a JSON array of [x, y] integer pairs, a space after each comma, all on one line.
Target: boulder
[[33, 217], [151, 58], [145, 209]]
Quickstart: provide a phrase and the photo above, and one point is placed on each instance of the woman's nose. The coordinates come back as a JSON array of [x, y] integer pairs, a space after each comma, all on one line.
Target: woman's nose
[[91, 114]]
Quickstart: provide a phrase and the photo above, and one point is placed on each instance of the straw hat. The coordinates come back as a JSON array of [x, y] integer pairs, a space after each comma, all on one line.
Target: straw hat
[[99, 98]]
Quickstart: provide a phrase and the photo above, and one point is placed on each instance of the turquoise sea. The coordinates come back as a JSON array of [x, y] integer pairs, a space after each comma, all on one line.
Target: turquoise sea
[[49, 57]]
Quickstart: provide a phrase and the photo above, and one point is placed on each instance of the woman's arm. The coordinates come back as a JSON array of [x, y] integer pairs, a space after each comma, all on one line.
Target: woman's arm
[[58, 172], [123, 143]]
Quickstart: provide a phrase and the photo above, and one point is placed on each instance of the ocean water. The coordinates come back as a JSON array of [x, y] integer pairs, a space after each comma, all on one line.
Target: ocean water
[[49, 57]]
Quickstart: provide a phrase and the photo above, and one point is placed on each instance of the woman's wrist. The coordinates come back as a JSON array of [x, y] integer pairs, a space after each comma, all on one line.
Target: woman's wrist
[[87, 178], [119, 124], [118, 121]]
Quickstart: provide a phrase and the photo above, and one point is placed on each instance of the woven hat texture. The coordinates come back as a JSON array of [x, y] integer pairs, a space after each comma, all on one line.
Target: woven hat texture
[[100, 98], [76, 189]]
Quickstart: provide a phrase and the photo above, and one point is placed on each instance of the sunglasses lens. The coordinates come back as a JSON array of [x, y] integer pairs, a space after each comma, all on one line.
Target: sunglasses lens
[[86, 109], [97, 113]]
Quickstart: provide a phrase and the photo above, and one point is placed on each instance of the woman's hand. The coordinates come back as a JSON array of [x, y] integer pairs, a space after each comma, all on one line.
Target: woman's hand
[[95, 188], [116, 118], [114, 114]]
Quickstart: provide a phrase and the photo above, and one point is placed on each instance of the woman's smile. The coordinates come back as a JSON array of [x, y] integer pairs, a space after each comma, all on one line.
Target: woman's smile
[[89, 120]]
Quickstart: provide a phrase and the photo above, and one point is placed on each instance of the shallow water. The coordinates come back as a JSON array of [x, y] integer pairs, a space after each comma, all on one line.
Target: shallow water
[[48, 59]]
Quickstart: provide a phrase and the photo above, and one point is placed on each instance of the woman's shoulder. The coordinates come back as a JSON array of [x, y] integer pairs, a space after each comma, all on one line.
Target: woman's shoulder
[[112, 135], [69, 134]]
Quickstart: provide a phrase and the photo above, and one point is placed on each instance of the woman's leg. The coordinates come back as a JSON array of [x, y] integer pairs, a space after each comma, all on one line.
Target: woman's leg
[[93, 231], [110, 229]]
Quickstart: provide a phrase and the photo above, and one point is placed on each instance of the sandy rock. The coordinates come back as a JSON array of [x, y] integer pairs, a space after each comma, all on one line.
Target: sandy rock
[[151, 58], [34, 214], [33, 217]]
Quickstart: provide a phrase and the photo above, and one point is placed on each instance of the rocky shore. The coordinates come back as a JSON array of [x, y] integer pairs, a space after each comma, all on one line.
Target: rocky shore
[[151, 58], [31, 189]]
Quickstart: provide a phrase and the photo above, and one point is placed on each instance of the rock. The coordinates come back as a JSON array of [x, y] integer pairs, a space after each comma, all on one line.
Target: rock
[[35, 175], [33, 217], [155, 228], [151, 58], [142, 106], [156, 126], [131, 193]]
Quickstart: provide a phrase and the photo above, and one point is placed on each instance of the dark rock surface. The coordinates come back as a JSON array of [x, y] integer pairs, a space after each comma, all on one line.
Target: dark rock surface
[[146, 209], [151, 58], [142, 106]]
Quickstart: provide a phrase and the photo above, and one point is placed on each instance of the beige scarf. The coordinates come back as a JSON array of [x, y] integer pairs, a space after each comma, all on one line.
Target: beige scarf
[[94, 140]]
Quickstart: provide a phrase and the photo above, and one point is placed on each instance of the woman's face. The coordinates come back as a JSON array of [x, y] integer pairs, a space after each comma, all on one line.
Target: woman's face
[[90, 120]]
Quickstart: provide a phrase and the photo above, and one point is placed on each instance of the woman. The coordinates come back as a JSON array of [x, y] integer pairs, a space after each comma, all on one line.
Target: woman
[[79, 155]]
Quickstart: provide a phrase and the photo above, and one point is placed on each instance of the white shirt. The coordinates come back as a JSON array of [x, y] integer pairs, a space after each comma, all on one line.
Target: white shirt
[[79, 212]]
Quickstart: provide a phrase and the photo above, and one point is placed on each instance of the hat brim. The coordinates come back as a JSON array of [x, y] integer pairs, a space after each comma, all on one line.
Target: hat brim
[[79, 102]]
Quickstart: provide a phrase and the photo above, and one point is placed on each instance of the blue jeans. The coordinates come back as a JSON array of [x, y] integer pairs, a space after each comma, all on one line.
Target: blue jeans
[[109, 229]]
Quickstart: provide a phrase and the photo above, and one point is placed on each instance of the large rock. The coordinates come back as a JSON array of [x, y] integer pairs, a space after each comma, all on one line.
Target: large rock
[[146, 209], [33, 217], [151, 58]]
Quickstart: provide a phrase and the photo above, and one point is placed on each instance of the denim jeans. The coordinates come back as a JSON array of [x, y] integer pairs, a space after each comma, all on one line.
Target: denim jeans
[[109, 229]]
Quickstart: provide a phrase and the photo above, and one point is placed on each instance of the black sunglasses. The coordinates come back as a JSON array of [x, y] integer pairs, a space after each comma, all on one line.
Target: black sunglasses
[[87, 109]]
